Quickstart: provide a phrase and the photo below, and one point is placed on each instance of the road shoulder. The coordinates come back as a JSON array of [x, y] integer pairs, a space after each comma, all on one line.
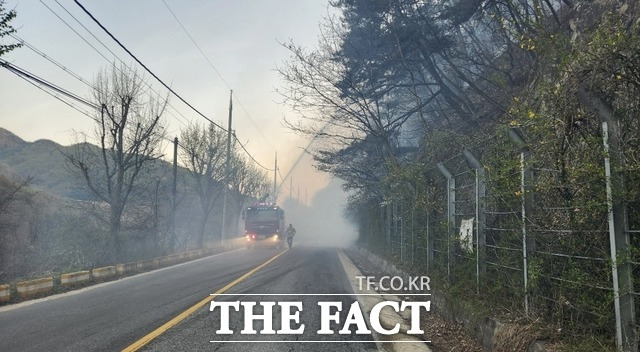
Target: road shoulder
[[391, 342]]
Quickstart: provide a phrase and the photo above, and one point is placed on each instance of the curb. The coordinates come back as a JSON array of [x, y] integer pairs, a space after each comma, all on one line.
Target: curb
[[29, 289], [104, 272], [125, 268], [5, 293], [388, 319], [75, 278], [34, 287]]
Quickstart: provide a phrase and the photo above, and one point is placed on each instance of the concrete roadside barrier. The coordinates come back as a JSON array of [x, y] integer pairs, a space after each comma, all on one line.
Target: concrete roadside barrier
[[34, 287], [104, 272], [125, 268], [75, 278], [166, 261], [146, 264], [5, 293]]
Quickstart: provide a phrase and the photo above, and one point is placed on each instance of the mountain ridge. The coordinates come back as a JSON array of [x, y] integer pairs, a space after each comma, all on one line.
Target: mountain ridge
[[43, 160]]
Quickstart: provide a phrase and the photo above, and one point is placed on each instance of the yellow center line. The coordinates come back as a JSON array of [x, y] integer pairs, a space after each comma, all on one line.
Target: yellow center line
[[180, 317]]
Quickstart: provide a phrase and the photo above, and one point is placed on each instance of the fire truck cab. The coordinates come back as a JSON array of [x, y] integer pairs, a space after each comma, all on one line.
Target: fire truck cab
[[264, 225]]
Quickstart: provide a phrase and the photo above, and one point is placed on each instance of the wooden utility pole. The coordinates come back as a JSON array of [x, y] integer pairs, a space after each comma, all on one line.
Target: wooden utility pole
[[226, 171]]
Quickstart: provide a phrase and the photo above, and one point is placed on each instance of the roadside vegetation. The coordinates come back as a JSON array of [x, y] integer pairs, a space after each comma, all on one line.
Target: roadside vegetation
[[397, 91], [109, 197]]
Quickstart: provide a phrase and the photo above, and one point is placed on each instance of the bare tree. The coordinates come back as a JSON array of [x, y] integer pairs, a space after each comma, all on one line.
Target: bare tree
[[129, 132], [9, 192], [203, 152], [246, 183]]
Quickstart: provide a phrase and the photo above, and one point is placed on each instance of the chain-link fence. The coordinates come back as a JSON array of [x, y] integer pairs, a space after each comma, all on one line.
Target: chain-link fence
[[519, 232]]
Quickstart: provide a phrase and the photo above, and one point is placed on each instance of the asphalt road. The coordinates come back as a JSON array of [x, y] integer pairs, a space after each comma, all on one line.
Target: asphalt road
[[111, 316]]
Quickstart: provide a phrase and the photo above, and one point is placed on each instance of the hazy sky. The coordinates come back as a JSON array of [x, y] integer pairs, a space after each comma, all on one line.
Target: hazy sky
[[239, 37]]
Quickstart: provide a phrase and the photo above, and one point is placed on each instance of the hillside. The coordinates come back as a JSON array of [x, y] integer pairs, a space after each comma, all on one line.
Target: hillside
[[43, 160], [9, 141]]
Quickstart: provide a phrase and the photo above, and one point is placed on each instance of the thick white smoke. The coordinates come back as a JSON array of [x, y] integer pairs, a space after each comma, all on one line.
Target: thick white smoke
[[322, 222]]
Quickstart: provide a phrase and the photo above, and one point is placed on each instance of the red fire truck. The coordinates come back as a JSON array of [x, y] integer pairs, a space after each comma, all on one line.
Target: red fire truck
[[264, 225]]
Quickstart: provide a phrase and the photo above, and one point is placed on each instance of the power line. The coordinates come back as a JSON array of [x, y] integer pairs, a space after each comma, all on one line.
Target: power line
[[62, 67], [119, 59], [305, 150], [24, 74], [217, 72], [21, 72], [184, 121], [42, 84], [39, 82], [145, 67], [249, 154], [196, 44], [282, 183], [162, 82], [101, 54], [73, 74]]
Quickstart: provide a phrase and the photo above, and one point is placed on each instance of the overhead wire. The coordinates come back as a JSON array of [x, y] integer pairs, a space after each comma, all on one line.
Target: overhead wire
[[183, 121], [217, 72], [249, 154], [281, 179], [64, 68], [23, 73], [42, 84], [48, 87], [162, 82], [305, 150], [145, 66], [119, 59], [196, 44], [50, 59], [31, 78]]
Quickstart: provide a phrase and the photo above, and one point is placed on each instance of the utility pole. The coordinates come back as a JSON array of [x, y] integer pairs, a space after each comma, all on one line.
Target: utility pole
[[174, 199], [226, 171], [275, 181]]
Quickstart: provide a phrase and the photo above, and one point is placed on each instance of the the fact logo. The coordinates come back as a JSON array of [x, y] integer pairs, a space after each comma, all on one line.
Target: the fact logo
[[289, 312]]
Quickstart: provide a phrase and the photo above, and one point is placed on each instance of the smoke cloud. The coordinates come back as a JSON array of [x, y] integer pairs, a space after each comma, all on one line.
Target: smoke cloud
[[323, 221]]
